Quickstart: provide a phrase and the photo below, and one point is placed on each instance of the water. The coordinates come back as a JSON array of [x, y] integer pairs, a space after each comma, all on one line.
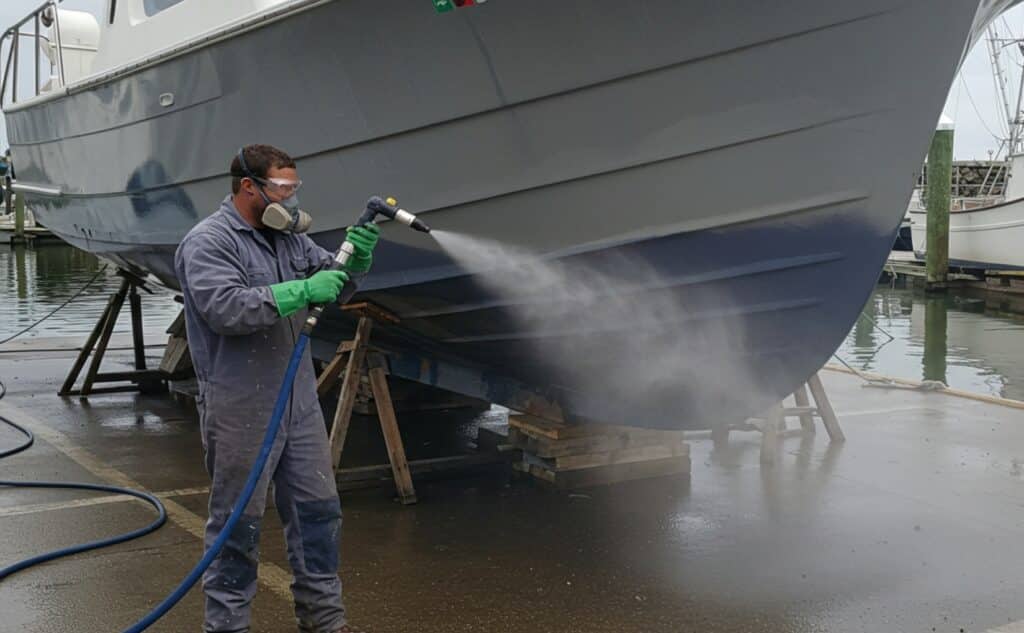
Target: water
[[34, 281], [613, 331], [972, 341]]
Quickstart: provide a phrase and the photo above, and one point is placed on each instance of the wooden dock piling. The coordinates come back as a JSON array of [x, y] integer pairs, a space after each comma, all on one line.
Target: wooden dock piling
[[940, 176]]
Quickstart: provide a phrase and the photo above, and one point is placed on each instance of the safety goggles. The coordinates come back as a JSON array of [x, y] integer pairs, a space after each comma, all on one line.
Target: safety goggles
[[280, 185]]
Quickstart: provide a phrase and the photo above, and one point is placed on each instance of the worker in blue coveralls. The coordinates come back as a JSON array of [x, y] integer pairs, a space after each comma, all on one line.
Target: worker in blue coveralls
[[246, 288]]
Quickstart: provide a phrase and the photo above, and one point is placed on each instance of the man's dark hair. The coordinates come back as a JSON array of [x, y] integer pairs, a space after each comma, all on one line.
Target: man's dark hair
[[259, 159]]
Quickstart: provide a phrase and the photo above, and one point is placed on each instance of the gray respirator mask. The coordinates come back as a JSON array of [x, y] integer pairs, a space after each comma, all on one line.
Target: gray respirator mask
[[285, 216]]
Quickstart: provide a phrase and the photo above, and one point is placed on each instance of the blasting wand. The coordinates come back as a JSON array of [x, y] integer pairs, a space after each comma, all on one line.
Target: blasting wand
[[374, 206]]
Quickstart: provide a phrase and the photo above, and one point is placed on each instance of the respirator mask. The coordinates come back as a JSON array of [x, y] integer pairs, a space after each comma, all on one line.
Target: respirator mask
[[285, 216]]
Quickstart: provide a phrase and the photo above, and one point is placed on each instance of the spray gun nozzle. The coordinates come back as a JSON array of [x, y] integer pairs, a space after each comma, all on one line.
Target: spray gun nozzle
[[419, 225], [389, 208]]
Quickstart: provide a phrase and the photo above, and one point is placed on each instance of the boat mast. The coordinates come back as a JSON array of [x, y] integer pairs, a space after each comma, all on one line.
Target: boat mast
[[1014, 118]]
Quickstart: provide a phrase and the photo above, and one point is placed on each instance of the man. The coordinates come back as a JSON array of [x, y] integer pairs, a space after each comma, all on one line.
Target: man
[[246, 288]]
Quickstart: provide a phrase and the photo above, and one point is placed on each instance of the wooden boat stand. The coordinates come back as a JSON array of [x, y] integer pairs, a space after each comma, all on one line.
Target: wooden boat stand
[[773, 424], [352, 359], [174, 367]]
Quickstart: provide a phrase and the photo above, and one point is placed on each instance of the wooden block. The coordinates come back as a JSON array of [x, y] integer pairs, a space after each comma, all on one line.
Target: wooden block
[[535, 471], [624, 456], [584, 477], [177, 326], [371, 310], [177, 357], [535, 438], [516, 437], [489, 438], [539, 427], [599, 444]]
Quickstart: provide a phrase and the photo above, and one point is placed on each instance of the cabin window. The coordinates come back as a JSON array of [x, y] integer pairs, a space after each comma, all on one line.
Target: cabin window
[[152, 7]]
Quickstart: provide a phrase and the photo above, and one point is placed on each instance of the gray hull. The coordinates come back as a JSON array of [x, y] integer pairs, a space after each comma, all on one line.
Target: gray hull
[[751, 157]]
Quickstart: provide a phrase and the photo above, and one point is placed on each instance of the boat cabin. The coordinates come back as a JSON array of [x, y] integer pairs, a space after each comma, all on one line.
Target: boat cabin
[[53, 48]]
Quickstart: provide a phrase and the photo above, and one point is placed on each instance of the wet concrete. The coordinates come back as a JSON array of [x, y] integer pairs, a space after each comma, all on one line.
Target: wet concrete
[[912, 525]]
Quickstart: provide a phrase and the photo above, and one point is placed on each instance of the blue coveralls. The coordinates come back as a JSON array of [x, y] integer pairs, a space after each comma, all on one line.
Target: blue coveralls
[[240, 348]]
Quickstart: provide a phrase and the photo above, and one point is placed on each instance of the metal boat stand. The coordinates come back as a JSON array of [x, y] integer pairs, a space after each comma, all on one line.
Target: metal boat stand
[[141, 378], [772, 425]]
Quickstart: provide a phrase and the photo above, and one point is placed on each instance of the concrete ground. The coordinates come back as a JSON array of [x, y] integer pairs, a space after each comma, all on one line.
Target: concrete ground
[[913, 524]]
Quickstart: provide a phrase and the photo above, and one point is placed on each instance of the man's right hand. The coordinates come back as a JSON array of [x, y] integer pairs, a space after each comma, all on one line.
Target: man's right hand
[[322, 287]]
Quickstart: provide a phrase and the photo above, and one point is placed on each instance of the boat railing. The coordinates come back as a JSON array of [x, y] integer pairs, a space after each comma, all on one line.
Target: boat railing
[[974, 202], [963, 203], [44, 17]]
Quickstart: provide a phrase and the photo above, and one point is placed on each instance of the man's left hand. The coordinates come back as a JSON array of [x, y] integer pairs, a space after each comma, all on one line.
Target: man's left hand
[[363, 239]]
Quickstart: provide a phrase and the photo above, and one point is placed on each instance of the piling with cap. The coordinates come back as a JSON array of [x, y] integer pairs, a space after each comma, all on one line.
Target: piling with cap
[[940, 179], [19, 217]]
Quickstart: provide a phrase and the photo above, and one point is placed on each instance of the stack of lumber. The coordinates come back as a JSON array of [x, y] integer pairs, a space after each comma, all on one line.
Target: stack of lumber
[[579, 455]]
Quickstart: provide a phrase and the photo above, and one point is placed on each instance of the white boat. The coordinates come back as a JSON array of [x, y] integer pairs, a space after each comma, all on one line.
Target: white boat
[[984, 233]]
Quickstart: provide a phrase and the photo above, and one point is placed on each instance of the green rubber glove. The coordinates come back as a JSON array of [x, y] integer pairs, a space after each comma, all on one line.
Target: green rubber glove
[[363, 239], [322, 287]]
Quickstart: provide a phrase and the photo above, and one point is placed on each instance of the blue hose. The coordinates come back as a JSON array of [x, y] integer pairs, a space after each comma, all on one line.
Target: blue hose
[[243, 499], [84, 547], [250, 487]]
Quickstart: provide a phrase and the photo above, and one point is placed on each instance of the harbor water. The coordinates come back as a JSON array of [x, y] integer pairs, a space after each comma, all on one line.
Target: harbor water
[[970, 340], [35, 281]]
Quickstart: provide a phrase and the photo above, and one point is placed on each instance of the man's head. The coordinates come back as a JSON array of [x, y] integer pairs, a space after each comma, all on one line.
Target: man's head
[[267, 175]]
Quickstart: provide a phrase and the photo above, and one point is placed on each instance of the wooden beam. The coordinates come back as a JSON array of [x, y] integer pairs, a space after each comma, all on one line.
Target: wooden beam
[[349, 389], [828, 415], [770, 435], [371, 310], [389, 426], [332, 372], [431, 468], [806, 419], [540, 427]]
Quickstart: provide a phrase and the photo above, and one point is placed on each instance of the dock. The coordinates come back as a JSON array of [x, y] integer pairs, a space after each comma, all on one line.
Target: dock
[[911, 524], [33, 235], [905, 264]]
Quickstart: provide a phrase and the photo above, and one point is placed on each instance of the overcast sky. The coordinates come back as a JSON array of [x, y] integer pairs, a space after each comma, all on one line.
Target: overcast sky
[[972, 102]]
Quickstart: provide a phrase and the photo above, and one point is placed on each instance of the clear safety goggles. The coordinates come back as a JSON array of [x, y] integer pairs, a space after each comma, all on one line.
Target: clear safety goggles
[[280, 185]]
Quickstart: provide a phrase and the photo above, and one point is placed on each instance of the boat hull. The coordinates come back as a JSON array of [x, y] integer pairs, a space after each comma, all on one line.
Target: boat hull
[[734, 157], [987, 238]]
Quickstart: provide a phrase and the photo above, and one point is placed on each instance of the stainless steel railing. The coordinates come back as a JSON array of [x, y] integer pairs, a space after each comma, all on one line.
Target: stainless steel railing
[[44, 17]]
